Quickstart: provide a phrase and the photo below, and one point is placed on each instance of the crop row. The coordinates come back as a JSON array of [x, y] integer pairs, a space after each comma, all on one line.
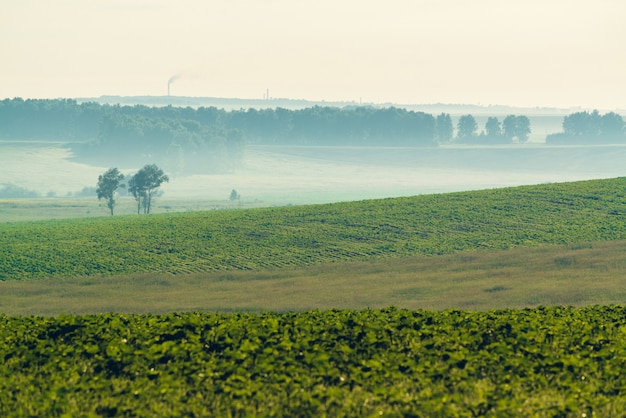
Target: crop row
[[306, 235], [534, 362]]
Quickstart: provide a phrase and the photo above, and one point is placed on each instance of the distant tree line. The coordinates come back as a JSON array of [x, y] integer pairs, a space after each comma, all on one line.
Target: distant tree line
[[69, 120], [512, 129], [181, 138], [590, 128], [12, 191], [334, 126], [181, 145]]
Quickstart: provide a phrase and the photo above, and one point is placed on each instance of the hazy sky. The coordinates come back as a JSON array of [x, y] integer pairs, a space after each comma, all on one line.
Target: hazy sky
[[517, 52]]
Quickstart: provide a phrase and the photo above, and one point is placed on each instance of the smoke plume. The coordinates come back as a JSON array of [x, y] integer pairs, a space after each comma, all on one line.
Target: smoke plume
[[173, 79]]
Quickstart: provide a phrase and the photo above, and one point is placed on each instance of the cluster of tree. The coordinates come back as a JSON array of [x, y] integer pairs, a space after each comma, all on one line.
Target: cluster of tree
[[334, 126], [512, 129], [67, 119], [180, 137], [443, 128], [143, 186], [12, 191], [181, 145], [586, 127], [58, 119]]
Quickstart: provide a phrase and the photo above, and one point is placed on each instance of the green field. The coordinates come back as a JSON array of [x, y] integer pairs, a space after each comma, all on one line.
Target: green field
[[543, 362], [301, 236], [581, 274], [306, 328]]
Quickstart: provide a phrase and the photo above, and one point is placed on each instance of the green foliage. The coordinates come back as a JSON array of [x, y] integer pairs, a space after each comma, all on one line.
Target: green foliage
[[11, 191], [300, 236], [145, 184], [108, 183], [466, 127], [535, 362], [153, 129], [516, 127], [590, 128], [444, 129], [330, 125], [512, 129], [48, 118], [493, 128], [182, 144]]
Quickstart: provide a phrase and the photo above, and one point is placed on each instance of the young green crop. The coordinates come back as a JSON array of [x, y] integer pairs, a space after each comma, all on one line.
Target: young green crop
[[535, 362], [305, 235]]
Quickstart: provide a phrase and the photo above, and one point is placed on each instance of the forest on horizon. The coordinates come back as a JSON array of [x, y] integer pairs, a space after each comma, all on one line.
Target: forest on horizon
[[215, 138]]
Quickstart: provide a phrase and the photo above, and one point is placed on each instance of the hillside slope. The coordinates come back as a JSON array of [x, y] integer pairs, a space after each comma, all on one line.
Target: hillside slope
[[307, 235]]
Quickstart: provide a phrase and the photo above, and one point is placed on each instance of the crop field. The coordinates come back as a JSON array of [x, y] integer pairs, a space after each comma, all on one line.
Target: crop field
[[579, 274], [543, 362], [297, 361], [301, 236]]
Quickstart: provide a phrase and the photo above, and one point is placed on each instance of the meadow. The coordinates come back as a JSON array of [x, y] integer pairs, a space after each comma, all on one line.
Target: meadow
[[507, 302]]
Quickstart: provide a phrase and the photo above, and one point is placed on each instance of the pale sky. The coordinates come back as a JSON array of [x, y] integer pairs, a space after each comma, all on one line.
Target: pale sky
[[561, 53]]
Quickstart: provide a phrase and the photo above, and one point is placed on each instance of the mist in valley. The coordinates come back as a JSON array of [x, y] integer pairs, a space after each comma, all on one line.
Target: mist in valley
[[281, 175], [276, 156], [169, 99]]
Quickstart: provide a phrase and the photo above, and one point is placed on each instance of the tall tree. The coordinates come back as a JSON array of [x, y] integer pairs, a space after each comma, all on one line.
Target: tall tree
[[444, 128], [516, 127], [522, 128], [466, 127], [509, 127], [145, 184], [594, 124], [612, 125], [493, 128], [582, 124], [108, 183], [135, 188]]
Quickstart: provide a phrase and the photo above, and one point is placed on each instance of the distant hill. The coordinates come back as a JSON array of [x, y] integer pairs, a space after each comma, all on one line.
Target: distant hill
[[239, 103]]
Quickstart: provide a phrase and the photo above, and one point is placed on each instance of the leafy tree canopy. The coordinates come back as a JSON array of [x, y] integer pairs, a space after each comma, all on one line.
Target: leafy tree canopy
[[444, 128], [145, 184], [591, 127], [466, 127], [108, 183]]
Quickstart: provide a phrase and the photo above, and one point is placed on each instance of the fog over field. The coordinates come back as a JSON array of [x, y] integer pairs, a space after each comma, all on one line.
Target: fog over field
[[300, 174], [487, 59]]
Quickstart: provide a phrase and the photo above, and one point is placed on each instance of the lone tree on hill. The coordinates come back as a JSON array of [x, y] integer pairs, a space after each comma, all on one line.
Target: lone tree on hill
[[108, 183], [145, 184]]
